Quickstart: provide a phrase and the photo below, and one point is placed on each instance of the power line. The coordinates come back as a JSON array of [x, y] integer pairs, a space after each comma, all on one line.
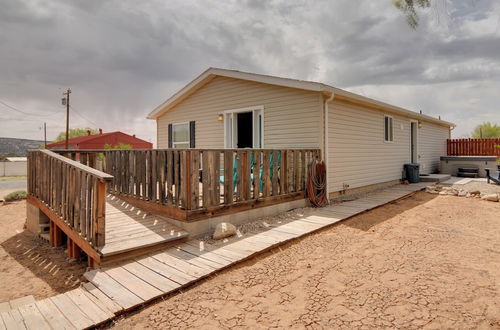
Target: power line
[[27, 113], [81, 116]]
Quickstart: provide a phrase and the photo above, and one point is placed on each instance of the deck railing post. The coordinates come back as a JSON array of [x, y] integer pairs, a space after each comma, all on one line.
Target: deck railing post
[[185, 179], [100, 221]]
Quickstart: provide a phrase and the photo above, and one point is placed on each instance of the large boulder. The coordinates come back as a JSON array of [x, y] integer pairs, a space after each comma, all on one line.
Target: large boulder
[[223, 230], [490, 197]]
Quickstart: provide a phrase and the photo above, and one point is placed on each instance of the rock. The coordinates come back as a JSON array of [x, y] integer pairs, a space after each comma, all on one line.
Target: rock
[[433, 189], [223, 230], [475, 192], [490, 197], [462, 193], [449, 191]]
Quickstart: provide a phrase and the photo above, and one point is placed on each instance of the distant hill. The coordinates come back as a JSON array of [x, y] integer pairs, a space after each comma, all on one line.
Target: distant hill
[[17, 146]]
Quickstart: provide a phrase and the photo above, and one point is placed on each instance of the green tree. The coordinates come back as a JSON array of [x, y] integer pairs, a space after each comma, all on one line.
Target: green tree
[[409, 9], [119, 146], [486, 130], [75, 132]]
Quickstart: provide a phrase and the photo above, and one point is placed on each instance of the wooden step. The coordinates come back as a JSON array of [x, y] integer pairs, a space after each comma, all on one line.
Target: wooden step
[[468, 169], [467, 174]]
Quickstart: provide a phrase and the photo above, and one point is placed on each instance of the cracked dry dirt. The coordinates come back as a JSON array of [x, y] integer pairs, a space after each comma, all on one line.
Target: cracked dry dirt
[[424, 262]]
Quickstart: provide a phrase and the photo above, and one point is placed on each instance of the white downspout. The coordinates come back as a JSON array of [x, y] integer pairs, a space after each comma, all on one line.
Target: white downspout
[[325, 144]]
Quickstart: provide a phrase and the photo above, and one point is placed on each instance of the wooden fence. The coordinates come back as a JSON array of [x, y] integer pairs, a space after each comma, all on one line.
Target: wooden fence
[[473, 147], [74, 192], [193, 179]]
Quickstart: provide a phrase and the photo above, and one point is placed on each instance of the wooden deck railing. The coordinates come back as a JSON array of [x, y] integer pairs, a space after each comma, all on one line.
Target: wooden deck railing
[[473, 147], [194, 179], [74, 192]]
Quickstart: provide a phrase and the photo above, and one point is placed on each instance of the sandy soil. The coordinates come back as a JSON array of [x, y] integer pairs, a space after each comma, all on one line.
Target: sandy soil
[[428, 261], [28, 265]]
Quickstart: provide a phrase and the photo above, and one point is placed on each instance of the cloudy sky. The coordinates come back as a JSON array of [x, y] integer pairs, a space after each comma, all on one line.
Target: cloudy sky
[[122, 58]]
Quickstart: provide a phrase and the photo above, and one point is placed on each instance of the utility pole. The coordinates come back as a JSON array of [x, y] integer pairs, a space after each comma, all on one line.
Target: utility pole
[[45, 135], [67, 117]]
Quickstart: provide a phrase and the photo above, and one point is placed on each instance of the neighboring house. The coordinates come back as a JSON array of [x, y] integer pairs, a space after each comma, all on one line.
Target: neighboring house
[[98, 141], [364, 142]]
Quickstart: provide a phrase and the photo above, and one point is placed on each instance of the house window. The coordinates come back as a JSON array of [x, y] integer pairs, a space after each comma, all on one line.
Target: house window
[[180, 136], [388, 129]]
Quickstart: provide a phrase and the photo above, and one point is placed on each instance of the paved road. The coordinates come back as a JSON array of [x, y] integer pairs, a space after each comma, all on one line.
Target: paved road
[[6, 187]]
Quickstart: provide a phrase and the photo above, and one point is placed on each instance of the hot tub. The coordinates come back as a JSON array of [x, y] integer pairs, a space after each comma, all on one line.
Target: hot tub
[[450, 164]]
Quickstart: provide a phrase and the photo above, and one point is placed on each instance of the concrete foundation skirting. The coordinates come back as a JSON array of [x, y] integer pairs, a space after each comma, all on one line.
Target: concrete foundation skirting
[[34, 218], [361, 190], [207, 226]]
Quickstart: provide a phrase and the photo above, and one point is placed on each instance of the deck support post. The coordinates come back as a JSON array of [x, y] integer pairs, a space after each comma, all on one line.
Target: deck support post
[[55, 235], [74, 251]]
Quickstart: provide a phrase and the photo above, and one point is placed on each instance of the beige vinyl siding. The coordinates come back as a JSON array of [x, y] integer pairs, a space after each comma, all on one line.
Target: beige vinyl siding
[[431, 146], [358, 155], [292, 117]]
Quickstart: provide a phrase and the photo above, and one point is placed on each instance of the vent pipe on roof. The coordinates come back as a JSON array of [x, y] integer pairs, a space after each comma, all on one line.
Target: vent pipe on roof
[[88, 132], [100, 130]]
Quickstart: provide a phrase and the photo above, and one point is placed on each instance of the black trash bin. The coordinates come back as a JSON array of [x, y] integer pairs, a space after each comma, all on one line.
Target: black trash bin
[[412, 172]]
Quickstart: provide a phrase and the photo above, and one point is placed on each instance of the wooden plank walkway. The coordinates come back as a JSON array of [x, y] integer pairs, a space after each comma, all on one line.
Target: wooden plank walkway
[[121, 287], [129, 228]]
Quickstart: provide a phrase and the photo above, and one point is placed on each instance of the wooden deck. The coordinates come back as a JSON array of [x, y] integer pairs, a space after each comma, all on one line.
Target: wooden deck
[[129, 229], [120, 287]]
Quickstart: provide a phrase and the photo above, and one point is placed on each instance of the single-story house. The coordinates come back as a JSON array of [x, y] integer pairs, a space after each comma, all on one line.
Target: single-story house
[[363, 142]]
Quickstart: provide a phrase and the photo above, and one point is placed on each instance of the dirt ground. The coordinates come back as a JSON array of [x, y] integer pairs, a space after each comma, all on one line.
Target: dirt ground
[[478, 186], [28, 265], [428, 261]]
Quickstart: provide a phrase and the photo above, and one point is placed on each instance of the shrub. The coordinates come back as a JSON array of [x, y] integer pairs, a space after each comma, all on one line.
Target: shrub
[[15, 196]]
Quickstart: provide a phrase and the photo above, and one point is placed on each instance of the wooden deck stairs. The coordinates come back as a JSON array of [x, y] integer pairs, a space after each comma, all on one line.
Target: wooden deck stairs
[[131, 231]]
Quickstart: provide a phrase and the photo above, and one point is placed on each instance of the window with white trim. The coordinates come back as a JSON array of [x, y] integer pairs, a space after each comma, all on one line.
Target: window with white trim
[[388, 129], [180, 136]]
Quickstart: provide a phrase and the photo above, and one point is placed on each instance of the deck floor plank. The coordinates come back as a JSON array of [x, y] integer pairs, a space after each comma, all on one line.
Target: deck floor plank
[[32, 317], [4, 306], [151, 277], [209, 265], [114, 290], [167, 271], [53, 315], [134, 284], [205, 254], [219, 250], [101, 299], [66, 306], [89, 307], [15, 303], [184, 266], [13, 320]]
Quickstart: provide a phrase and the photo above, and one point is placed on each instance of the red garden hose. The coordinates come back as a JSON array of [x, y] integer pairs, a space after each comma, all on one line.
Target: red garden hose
[[316, 183]]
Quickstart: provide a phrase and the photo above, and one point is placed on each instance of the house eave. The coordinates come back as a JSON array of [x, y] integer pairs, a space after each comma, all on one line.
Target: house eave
[[324, 89]]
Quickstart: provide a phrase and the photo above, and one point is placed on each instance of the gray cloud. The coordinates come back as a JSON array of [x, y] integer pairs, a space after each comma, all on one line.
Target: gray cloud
[[122, 59]]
